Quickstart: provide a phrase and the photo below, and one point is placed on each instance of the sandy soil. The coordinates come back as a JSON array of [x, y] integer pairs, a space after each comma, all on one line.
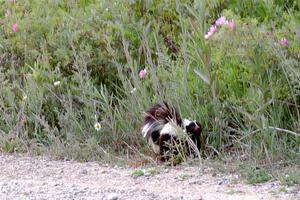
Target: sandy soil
[[25, 177]]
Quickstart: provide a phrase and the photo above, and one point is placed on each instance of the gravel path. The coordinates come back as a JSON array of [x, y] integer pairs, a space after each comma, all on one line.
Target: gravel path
[[24, 177]]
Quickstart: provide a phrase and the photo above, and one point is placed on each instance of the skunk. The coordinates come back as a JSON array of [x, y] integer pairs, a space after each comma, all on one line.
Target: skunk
[[159, 128]]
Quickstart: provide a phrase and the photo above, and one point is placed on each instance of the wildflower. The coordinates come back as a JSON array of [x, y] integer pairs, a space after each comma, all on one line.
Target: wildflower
[[221, 21], [284, 42], [143, 73], [133, 90], [24, 97], [15, 27], [56, 83], [232, 24], [7, 13], [211, 31], [97, 126]]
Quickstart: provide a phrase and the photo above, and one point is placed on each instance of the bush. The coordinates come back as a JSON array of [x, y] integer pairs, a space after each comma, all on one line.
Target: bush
[[71, 64]]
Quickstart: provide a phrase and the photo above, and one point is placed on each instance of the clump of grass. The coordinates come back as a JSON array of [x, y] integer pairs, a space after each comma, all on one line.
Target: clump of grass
[[232, 192], [184, 176], [257, 175], [182, 150], [137, 173], [144, 172], [290, 178]]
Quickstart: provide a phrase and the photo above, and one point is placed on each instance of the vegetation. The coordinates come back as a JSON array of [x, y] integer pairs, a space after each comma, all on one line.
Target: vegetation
[[144, 172], [67, 65]]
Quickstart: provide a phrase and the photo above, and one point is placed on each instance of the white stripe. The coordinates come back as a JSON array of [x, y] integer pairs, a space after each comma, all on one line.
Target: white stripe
[[168, 129], [186, 122], [146, 129], [149, 128]]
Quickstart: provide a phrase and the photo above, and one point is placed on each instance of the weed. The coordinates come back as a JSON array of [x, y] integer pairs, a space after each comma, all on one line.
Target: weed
[[184, 176], [232, 192], [257, 175], [144, 172], [291, 178], [138, 173]]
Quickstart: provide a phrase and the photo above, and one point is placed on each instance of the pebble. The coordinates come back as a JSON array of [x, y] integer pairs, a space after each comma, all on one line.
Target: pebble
[[83, 171], [194, 182], [112, 196]]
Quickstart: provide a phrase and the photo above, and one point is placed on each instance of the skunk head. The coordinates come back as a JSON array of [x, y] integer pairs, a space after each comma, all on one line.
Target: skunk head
[[194, 129]]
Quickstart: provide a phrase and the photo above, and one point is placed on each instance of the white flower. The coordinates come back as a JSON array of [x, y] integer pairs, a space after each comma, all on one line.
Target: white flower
[[7, 13], [24, 97], [133, 90], [56, 83], [97, 126]]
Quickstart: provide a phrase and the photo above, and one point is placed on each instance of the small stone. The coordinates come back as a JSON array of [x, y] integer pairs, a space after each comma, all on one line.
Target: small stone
[[194, 182], [221, 182], [112, 196], [83, 171]]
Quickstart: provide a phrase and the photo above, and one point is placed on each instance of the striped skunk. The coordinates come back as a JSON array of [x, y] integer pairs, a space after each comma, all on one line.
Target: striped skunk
[[159, 128]]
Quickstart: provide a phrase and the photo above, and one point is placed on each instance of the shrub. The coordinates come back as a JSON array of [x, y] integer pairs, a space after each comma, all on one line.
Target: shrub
[[70, 64]]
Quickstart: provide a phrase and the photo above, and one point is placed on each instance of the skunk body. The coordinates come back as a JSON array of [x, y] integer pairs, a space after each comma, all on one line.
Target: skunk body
[[160, 128]]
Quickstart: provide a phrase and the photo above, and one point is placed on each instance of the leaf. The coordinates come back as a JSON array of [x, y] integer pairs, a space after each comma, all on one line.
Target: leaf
[[202, 76]]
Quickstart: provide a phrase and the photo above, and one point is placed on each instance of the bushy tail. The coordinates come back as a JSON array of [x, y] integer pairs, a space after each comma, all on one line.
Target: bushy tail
[[157, 116], [164, 113]]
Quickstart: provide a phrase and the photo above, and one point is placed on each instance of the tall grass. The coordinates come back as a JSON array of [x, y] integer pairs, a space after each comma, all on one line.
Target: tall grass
[[242, 85]]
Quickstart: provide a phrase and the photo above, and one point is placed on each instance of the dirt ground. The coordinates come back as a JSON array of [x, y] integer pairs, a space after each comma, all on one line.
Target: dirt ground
[[25, 177]]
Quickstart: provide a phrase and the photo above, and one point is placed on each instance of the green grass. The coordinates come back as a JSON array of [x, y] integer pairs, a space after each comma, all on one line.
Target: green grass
[[290, 176], [144, 172], [233, 192], [255, 175], [184, 176], [245, 92]]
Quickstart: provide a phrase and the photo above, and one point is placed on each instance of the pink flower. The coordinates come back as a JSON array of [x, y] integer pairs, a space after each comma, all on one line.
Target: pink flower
[[143, 73], [284, 42], [221, 21], [15, 27], [232, 24], [211, 31]]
